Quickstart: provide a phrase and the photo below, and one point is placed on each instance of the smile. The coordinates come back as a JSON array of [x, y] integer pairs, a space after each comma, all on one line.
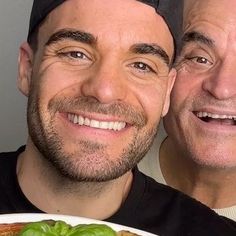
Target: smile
[[221, 118], [107, 125]]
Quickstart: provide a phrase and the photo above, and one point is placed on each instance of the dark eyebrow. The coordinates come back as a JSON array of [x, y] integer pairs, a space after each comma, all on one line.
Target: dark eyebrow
[[198, 37], [76, 35], [84, 37], [152, 49]]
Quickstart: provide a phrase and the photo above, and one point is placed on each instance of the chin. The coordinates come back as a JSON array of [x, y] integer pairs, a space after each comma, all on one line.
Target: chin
[[217, 159]]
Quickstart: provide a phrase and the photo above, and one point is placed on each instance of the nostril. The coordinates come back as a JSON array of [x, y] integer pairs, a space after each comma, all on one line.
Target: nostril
[[220, 87]]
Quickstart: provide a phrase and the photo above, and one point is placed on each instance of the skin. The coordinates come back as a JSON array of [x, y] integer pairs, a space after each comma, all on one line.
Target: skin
[[102, 72], [199, 155]]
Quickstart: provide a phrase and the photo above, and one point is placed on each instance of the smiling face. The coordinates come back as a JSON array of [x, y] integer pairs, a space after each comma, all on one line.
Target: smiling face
[[100, 82], [202, 116]]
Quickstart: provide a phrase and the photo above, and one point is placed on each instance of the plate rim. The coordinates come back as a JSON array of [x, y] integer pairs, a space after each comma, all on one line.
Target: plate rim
[[31, 217]]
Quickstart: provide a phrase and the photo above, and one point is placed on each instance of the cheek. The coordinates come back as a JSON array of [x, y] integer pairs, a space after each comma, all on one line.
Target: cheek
[[178, 96], [184, 89], [53, 82], [152, 100]]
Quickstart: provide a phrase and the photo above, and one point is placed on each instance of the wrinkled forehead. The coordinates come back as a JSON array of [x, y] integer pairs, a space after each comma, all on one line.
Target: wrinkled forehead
[[95, 13], [211, 12], [125, 21], [170, 10]]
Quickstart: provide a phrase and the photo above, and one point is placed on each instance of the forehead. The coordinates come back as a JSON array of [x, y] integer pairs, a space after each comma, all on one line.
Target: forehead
[[120, 21], [210, 15]]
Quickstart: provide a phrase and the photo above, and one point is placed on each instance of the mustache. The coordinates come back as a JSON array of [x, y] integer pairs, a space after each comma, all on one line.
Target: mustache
[[122, 110]]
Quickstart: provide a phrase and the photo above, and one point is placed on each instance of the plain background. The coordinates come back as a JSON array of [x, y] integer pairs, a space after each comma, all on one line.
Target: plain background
[[14, 18]]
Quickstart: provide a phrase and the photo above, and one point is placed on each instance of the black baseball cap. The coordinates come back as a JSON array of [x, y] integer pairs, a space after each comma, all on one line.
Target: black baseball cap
[[170, 10]]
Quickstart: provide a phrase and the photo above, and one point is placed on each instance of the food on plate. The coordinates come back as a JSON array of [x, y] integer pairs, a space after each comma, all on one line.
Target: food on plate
[[59, 228], [10, 229]]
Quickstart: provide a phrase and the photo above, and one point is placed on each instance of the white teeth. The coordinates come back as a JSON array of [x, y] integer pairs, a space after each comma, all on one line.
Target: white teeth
[[111, 125], [94, 124], [104, 125], [75, 120], [116, 126], [215, 116], [87, 122], [81, 120]]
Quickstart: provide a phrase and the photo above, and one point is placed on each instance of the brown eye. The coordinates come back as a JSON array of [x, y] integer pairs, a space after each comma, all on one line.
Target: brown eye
[[74, 55], [143, 67], [200, 60]]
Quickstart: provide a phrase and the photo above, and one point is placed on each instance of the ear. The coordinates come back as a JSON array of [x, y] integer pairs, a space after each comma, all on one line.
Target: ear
[[25, 62], [170, 84]]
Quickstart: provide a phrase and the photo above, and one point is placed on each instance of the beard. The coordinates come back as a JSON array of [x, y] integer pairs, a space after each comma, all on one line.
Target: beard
[[89, 161]]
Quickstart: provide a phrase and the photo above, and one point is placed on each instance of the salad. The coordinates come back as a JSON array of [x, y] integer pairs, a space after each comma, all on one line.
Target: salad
[[59, 228]]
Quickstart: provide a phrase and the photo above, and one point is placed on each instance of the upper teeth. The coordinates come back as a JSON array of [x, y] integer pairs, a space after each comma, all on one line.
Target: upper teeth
[[114, 125], [215, 116]]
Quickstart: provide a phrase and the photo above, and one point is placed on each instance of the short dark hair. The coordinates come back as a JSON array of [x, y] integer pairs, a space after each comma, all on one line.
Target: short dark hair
[[170, 10], [33, 39]]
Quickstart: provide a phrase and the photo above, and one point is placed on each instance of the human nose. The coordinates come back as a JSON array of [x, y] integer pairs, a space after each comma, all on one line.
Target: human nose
[[106, 84], [222, 83]]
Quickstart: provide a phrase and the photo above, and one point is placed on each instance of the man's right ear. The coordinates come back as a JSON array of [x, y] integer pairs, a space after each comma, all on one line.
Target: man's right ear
[[25, 63]]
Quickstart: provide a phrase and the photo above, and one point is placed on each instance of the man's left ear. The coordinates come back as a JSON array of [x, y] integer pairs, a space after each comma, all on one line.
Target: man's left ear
[[171, 80], [25, 60]]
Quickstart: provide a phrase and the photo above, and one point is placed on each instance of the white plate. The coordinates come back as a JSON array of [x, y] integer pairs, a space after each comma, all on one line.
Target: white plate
[[73, 220]]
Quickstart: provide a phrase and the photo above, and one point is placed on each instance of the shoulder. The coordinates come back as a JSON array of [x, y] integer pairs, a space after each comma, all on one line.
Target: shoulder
[[181, 212], [157, 193]]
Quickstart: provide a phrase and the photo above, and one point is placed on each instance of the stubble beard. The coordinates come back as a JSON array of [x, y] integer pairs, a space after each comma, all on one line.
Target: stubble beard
[[90, 162]]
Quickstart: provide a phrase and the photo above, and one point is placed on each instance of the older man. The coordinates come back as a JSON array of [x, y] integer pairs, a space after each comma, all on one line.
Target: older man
[[199, 155], [98, 77]]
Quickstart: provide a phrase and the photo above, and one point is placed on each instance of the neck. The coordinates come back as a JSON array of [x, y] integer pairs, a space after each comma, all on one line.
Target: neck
[[63, 196], [215, 188]]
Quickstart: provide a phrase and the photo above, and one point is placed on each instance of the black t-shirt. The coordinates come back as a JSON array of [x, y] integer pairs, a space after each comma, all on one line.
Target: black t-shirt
[[150, 206]]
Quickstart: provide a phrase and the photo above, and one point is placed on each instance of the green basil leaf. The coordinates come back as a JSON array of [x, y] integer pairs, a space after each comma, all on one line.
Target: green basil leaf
[[60, 228], [92, 230]]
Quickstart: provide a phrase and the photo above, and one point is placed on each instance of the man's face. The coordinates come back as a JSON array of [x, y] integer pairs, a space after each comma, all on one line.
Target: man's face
[[100, 82], [203, 104]]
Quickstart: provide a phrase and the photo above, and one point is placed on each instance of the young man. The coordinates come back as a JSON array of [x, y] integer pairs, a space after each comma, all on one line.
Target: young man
[[199, 155], [98, 76]]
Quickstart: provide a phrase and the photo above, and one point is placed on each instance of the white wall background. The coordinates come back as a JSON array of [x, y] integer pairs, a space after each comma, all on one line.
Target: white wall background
[[14, 18]]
